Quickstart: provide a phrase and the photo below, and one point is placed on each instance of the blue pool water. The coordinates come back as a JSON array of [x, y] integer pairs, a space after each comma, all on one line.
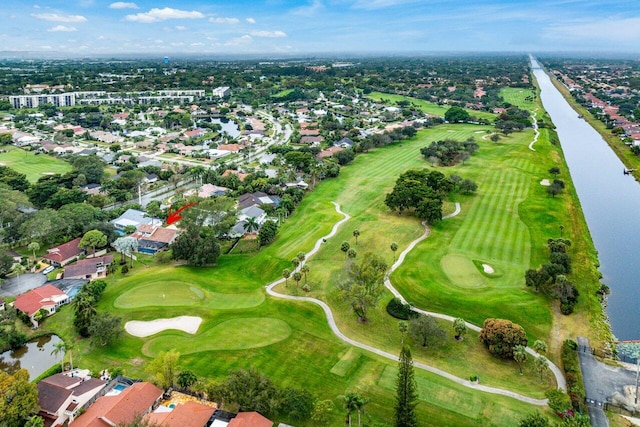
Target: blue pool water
[[74, 291], [146, 251], [120, 387]]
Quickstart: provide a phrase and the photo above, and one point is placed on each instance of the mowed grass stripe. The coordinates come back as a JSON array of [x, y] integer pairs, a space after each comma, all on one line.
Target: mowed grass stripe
[[494, 213]]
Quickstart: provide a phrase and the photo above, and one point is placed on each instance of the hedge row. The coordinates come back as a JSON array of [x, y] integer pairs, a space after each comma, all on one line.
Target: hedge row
[[571, 365], [399, 310]]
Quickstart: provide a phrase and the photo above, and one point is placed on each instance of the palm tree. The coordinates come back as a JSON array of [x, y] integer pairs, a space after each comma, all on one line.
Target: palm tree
[[301, 256], [344, 247], [350, 401], [296, 262], [356, 233], [541, 364], [394, 248], [251, 225], [520, 356], [59, 349], [297, 276], [305, 270], [286, 273], [352, 253], [34, 247], [540, 346]]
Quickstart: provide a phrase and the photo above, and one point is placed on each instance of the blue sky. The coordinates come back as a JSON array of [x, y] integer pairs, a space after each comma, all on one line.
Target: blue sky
[[280, 27]]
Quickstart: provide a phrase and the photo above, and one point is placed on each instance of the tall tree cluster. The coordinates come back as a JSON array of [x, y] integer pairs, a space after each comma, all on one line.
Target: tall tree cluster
[[406, 392]]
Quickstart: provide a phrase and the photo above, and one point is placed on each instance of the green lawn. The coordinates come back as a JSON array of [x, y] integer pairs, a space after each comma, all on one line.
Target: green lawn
[[521, 97], [426, 106], [34, 166], [291, 343]]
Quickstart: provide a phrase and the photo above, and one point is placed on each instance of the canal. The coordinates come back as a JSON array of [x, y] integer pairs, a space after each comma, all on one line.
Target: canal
[[611, 204]]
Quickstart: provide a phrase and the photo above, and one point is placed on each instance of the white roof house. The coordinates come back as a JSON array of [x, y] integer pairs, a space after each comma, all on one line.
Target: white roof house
[[135, 218]]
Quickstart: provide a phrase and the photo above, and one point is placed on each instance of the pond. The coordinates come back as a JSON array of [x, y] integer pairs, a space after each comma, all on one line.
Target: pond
[[228, 126], [35, 356]]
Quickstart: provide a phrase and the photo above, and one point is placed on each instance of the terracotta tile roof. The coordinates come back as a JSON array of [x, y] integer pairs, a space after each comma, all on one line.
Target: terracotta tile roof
[[190, 414], [122, 408], [155, 234], [240, 175], [65, 251], [330, 151], [38, 298], [250, 419]]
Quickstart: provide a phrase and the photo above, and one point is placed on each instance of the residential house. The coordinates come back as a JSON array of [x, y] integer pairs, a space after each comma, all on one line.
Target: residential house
[[239, 229], [234, 148], [190, 414], [46, 297], [152, 238], [257, 199], [92, 189], [122, 408], [61, 396], [344, 143], [312, 140], [241, 176], [90, 268], [329, 152], [150, 178], [135, 218], [250, 419], [196, 133], [62, 255], [208, 190]]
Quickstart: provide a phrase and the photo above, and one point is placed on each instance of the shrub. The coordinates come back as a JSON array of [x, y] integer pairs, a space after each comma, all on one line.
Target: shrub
[[573, 375], [501, 336], [399, 310], [125, 269]]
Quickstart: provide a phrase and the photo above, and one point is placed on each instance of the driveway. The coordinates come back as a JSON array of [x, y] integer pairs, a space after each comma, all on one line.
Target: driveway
[[601, 382], [19, 285]]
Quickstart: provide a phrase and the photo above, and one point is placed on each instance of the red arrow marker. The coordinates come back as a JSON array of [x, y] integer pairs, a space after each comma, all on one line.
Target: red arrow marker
[[175, 216]]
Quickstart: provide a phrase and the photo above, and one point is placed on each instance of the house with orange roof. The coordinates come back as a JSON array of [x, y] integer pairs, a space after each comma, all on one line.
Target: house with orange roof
[[239, 174], [192, 414], [122, 408], [46, 297], [250, 419], [152, 239], [62, 255]]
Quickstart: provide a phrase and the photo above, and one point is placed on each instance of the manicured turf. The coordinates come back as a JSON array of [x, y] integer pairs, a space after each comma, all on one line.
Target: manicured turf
[[426, 106], [521, 97], [291, 343], [172, 293], [235, 334], [461, 271], [34, 166]]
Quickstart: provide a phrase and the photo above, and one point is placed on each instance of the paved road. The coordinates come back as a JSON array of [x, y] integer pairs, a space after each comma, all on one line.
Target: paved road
[[19, 285], [341, 336], [601, 382]]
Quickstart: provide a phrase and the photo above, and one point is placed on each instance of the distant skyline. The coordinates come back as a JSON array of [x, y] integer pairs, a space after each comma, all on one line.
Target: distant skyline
[[294, 28]]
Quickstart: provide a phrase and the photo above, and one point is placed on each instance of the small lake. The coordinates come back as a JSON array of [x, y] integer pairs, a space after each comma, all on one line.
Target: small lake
[[35, 356], [228, 126]]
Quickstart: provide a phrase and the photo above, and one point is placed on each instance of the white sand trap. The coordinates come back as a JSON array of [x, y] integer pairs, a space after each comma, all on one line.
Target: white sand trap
[[488, 269], [545, 182], [138, 328]]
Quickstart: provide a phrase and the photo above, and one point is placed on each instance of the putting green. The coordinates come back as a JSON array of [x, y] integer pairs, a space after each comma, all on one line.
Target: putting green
[[234, 334], [461, 271], [174, 293]]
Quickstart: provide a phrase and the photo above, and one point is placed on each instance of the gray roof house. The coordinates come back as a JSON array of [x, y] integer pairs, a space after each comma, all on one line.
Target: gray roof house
[[134, 217]]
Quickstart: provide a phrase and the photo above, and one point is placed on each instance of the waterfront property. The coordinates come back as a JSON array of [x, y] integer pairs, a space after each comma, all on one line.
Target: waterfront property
[[47, 298]]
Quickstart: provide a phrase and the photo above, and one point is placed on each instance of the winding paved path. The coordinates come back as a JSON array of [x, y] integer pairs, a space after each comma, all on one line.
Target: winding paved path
[[334, 327], [535, 128]]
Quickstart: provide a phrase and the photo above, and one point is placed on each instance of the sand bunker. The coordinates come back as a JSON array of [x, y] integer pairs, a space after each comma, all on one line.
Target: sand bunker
[[188, 324], [488, 269], [545, 182]]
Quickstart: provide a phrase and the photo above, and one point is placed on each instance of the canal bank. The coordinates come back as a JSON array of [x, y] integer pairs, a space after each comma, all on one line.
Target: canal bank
[[609, 200]]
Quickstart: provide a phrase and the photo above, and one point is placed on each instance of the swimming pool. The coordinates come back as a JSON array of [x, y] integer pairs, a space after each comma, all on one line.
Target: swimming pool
[[120, 387]]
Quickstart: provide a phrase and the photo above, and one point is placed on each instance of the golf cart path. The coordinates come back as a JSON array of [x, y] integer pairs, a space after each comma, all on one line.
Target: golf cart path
[[334, 327], [535, 128]]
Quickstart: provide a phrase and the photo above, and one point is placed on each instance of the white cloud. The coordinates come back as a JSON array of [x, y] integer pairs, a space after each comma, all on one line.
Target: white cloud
[[36, 6], [62, 29], [56, 17], [181, 28], [311, 9], [277, 33], [251, 20], [246, 39], [158, 15], [232, 21], [45, 47], [197, 44], [610, 30], [123, 5], [380, 4]]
